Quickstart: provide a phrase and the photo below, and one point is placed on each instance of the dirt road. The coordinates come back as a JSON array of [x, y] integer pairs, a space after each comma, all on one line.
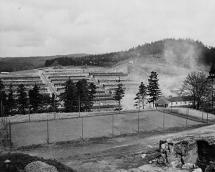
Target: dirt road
[[109, 154]]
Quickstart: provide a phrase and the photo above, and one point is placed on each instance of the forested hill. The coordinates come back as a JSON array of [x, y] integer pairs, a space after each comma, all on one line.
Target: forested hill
[[177, 50], [168, 49], [10, 64]]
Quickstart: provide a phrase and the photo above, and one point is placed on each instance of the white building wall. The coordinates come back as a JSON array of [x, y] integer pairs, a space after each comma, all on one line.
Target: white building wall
[[180, 103]]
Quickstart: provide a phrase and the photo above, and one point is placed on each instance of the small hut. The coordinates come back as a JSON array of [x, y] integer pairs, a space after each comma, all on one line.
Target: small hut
[[162, 102]]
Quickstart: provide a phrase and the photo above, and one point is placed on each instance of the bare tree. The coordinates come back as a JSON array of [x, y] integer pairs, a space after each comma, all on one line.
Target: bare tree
[[196, 85]]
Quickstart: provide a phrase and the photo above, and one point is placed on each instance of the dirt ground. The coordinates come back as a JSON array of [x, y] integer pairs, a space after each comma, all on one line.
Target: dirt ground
[[110, 154], [24, 134]]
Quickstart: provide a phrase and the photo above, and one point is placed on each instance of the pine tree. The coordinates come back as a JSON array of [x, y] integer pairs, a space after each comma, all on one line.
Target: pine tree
[[1, 85], [3, 99], [35, 98], [153, 88], [46, 103], [92, 92], [22, 99], [11, 101], [140, 96], [119, 94], [83, 95], [31, 99], [70, 97]]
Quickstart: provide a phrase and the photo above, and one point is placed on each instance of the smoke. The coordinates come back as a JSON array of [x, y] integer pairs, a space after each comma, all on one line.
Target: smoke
[[182, 53], [177, 59]]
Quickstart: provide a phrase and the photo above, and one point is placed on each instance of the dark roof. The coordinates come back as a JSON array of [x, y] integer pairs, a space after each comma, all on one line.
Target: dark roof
[[180, 98], [162, 101]]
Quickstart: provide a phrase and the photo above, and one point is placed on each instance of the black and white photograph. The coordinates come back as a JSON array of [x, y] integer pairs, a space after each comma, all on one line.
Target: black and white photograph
[[107, 86]]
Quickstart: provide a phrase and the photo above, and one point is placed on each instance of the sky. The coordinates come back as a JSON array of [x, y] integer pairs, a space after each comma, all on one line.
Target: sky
[[51, 27]]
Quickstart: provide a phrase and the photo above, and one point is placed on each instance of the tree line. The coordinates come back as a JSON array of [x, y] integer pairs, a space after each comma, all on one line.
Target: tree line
[[21, 101], [149, 93], [199, 87], [91, 60], [78, 97]]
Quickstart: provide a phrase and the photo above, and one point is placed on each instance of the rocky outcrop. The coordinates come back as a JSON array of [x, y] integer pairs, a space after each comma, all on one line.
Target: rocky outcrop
[[206, 154], [172, 155], [39, 166]]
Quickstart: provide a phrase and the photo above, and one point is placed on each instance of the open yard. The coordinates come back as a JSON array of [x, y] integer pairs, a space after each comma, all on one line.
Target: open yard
[[23, 134]]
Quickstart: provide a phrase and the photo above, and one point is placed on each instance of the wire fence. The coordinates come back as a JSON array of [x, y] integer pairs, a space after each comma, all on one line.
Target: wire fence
[[192, 114], [85, 127]]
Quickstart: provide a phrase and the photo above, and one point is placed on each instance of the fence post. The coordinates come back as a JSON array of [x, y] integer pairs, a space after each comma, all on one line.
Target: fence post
[[47, 128], [138, 129], [79, 106], [207, 117], [112, 125], [202, 116], [54, 109], [82, 127], [163, 120], [138, 120], [10, 135], [29, 116], [187, 116]]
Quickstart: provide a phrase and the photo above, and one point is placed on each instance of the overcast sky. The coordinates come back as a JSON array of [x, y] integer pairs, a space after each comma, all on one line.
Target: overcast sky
[[48, 27]]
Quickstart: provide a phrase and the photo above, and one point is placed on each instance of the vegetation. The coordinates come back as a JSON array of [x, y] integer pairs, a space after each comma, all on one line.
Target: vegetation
[[179, 47], [78, 96], [70, 97], [197, 86], [92, 92], [141, 96], [22, 99], [153, 88], [20, 160], [83, 95], [12, 64], [119, 94], [2, 99], [11, 103], [35, 98]]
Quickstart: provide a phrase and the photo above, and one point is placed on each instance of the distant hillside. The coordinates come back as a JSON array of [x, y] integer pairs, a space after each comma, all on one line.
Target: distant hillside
[[180, 51], [10, 64]]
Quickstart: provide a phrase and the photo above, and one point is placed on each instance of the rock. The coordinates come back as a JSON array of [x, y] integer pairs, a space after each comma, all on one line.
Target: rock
[[143, 156], [39, 166], [134, 170], [175, 164], [197, 170], [188, 166], [121, 170]]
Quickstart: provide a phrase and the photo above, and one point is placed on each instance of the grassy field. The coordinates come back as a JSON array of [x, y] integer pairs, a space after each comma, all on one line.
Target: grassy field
[[24, 134]]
